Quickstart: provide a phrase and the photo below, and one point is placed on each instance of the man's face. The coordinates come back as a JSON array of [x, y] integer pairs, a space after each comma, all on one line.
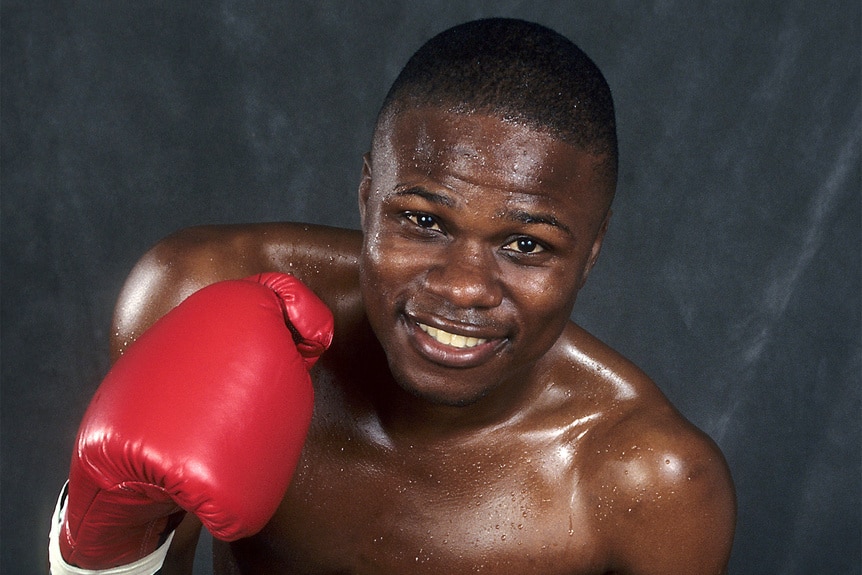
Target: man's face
[[478, 234]]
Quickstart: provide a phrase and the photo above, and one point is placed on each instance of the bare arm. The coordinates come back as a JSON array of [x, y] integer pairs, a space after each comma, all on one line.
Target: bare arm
[[322, 257], [676, 510], [190, 259]]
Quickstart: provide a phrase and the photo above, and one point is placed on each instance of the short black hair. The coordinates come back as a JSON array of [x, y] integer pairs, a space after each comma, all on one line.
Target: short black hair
[[515, 70]]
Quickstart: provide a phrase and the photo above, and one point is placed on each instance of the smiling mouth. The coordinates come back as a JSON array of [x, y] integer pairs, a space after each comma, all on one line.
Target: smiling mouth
[[451, 339]]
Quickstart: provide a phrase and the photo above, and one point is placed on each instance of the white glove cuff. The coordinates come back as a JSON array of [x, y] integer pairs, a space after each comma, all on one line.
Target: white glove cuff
[[145, 566]]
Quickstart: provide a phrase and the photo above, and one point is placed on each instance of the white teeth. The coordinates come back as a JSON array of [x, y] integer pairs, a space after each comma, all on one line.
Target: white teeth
[[452, 339]]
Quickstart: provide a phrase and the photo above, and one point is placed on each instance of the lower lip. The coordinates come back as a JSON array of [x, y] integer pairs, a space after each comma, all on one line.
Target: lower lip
[[447, 355]]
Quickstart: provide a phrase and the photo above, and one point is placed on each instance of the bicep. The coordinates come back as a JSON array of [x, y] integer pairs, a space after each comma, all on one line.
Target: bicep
[[693, 534], [323, 258], [168, 273]]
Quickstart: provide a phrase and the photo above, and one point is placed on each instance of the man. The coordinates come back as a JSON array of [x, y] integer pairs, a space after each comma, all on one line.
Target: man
[[462, 422]]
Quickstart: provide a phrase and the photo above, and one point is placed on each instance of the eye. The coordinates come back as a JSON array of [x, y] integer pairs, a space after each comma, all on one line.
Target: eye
[[423, 221], [524, 245]]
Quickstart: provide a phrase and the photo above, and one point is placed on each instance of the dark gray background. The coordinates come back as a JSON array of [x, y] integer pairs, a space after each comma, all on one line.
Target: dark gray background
[[731, 273]]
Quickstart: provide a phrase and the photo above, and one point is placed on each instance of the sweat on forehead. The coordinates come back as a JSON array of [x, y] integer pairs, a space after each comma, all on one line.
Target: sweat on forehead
[[453, 150], [513, 70]]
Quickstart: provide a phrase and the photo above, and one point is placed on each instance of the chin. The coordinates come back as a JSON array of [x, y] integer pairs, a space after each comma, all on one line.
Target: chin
[[453, 391]]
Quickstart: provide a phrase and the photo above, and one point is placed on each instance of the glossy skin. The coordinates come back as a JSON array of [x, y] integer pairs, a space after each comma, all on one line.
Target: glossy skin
[[483, 229], [537, 450]]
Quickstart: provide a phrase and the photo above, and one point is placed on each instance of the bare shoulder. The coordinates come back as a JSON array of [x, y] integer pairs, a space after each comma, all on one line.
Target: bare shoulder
[[675, 509], [325, 258], [662, 489]]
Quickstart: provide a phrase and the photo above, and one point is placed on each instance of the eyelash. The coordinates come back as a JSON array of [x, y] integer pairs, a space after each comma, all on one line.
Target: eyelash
[[420, 220], [537, 246], [416, 219]]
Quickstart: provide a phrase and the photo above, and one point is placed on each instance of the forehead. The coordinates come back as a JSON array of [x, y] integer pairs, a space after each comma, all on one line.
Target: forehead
[[483, 150]]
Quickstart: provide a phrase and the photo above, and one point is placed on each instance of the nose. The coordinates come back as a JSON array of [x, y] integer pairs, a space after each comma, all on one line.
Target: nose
[[466, 277]]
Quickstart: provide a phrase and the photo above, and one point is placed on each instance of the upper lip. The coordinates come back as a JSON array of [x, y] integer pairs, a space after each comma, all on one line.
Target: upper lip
[[472, 329]]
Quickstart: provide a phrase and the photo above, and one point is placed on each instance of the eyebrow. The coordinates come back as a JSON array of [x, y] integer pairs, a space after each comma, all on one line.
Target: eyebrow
[[427, 195], [525, 217], [521, 216]]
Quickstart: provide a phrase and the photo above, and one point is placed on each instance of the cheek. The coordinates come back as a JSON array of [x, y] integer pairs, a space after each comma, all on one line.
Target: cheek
[[386, 270], [545, 303]]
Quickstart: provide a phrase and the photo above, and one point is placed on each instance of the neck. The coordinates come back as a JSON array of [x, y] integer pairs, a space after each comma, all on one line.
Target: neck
[[405, 417]]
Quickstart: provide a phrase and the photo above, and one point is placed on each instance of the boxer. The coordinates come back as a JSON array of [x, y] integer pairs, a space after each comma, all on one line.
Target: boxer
[[461, 421]]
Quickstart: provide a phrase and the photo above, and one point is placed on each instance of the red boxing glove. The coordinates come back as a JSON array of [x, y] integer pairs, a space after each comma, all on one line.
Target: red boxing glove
[[207, 412]]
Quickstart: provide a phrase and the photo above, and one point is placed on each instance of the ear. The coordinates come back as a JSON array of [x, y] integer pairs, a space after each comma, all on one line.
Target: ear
[[364, 186], [597, 248]]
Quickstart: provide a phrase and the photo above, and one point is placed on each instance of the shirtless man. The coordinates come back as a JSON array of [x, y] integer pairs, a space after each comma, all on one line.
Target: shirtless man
[[462, 423]]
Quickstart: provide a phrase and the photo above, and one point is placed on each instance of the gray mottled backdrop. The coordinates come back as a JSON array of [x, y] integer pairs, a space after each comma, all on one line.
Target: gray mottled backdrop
[[731, 273]]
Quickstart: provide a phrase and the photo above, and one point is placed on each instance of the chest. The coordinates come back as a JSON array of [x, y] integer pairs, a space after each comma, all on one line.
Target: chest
[[355, 507]]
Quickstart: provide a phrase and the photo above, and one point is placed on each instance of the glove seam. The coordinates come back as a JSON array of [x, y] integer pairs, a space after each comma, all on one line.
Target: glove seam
[[145, 566]]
